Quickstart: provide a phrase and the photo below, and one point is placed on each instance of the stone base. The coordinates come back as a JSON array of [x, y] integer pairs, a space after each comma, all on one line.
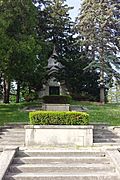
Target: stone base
[[49, 135], [56, 107]]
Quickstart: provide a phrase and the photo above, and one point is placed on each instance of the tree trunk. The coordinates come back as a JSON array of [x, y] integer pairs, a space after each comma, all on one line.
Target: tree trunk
[[29, 88], [102, 95], [18, 93], [6, 91], [102, 87]]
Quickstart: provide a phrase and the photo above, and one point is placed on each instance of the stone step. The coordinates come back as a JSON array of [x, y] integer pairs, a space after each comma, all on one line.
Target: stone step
[[113, 140], [109, 140], [13, 130], [12, 143], [45, 153], [59, 176], [9, 134], [53, 160], [110, 144], [106, 131], [13, 134], [106, 127], [106, 136], [62, 165], [2, 133], [58, 168], [9, 127], [16, 125], [1, 150], [17, 135], [21, 136], [12, 139]]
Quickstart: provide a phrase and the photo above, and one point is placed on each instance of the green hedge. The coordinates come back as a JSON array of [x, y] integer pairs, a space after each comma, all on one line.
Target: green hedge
[[57, 99], [58, 118]]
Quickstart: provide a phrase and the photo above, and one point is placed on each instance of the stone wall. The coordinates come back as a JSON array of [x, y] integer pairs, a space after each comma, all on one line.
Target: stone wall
[[49, 135], [55, 107]]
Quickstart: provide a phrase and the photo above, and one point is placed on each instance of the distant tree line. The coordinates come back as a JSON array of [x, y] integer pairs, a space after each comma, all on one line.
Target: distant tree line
[[88, 48]]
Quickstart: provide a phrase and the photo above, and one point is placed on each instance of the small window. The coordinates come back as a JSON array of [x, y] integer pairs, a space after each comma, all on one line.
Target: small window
[[53, 90]]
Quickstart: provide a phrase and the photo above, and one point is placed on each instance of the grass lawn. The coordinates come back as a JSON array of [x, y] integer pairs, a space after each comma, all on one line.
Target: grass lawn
[[108, 113], [14, 112]]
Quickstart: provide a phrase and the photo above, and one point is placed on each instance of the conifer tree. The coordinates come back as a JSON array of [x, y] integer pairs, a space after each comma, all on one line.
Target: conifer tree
[[18, 42], [55, 23], [99, 29]]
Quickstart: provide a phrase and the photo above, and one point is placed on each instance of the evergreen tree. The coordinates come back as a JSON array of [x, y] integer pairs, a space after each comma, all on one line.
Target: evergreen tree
[[53, 30], [19, 43], [55, 24], [99, 30], [81, 84], [5, 49], [56, 27]]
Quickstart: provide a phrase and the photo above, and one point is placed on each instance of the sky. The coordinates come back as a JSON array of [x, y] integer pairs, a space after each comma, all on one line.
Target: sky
[[76, 5]]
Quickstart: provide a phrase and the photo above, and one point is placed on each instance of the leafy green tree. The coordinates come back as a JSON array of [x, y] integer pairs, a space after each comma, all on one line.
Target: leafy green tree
[[99, 30], [5, 49], [19, 42]]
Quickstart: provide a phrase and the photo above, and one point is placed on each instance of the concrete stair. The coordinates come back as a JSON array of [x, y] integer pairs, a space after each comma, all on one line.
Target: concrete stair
[[87, 164], [61, 165], [106, 135], [1, 150], [12, 136]]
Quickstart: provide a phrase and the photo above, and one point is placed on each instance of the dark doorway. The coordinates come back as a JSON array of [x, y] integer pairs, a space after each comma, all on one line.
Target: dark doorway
[[54, 90]]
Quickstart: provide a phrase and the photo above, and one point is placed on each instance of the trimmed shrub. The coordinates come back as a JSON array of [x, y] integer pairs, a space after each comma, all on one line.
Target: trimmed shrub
[[58, 118], [57, 99], [85, 96]]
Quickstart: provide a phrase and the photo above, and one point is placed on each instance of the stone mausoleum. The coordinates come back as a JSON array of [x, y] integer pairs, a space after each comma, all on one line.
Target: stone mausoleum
[[53, 86]]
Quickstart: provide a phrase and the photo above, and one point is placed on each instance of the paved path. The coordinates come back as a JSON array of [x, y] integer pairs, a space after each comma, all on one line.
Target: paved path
[[63, 164]]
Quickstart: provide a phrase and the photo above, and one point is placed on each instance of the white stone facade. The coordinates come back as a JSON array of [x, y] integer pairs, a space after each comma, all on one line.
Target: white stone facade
[[53, 66], [48, 135], [56, 107]]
